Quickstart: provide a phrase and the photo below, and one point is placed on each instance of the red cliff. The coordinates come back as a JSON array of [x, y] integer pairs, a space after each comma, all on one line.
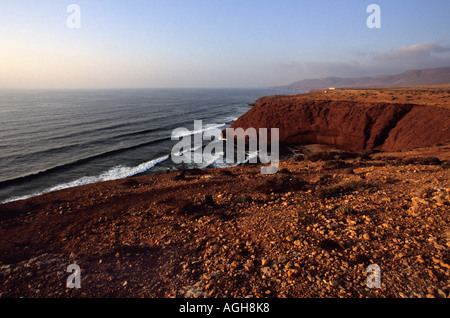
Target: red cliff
[[356, 120]]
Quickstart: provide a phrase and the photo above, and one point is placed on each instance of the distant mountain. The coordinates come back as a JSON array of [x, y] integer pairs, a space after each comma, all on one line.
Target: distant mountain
[[431, 76]]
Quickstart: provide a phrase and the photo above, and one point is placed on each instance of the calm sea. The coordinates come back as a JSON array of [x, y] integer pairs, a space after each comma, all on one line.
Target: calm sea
[[52, 140]]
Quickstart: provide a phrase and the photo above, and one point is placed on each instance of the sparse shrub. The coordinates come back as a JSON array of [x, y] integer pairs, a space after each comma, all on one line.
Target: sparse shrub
[[390, 180], [329, 245], [348, 171], [334, 164], [426, 161], [208, 200], [347, 155], [344, 210], [356, 186], [194, 171], [429, 161], [365, 154], [281, 183], [297, 158], [284, 171], [331, 155], [184, 207], [131, 183], [181, 175], [342, 189], [321, 156], [225, 172], [330, 192], [390, 160], [243, 199]]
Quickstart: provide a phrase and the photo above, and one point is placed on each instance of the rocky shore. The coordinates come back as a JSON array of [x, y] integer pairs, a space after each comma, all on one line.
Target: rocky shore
[[311, 230]]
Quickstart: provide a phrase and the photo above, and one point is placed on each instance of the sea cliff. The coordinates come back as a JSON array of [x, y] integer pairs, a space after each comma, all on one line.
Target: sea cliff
[[356, 120]]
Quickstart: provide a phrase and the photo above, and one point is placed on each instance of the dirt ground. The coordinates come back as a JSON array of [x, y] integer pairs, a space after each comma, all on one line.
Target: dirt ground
[[311, 230]]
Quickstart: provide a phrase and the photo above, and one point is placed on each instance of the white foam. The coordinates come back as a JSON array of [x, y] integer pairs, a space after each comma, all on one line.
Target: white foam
[[189, 150], [218, 160], [230, 119], [212, 160], [116, 173], [251, 156], [198, 131]]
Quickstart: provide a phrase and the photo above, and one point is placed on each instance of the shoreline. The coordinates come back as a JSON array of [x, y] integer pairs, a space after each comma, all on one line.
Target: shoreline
[[94, 148], [310, 230]]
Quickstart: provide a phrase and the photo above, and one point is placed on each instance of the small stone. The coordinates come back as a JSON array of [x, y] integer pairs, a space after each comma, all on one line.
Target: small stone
[[179, 176], [249, 265], [243, 199], [267, 271], [292, 273], [447, 234], [417, 200], [431, 274], [6, 272], [208, 200], [441, 293], [264, 262]]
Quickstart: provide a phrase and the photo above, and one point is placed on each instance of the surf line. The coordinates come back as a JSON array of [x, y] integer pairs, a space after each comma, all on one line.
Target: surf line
[[181, 151]]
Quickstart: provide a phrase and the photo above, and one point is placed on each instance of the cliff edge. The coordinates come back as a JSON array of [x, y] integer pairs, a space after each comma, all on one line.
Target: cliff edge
[[388, 119]]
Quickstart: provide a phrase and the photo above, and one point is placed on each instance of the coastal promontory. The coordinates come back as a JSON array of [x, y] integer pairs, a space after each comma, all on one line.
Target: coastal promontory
[[388, 119]]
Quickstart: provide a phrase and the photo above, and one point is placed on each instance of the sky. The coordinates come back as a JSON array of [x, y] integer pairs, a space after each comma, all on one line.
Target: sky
[[214, 43]]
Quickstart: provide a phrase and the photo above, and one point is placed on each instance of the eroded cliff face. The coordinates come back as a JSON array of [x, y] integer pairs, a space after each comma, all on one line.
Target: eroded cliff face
[[352, 125]]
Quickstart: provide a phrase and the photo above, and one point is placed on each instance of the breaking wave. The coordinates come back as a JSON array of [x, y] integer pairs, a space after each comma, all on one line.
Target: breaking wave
[[119, 172]]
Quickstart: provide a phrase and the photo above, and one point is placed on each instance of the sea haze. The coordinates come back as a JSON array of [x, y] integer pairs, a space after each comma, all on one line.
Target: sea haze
[[51, 140]]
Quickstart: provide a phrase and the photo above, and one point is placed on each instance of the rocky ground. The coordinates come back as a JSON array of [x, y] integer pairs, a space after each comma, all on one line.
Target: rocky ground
[[311, 230]]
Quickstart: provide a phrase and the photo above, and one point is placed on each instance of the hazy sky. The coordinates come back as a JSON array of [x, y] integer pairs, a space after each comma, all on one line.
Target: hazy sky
[[214, 43]]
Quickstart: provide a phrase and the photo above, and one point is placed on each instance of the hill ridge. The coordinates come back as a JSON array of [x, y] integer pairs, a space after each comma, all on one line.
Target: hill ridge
[[429, 76]]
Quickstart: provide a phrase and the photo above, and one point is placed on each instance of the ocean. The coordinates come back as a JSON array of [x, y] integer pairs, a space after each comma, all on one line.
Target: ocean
[[57, 139]]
